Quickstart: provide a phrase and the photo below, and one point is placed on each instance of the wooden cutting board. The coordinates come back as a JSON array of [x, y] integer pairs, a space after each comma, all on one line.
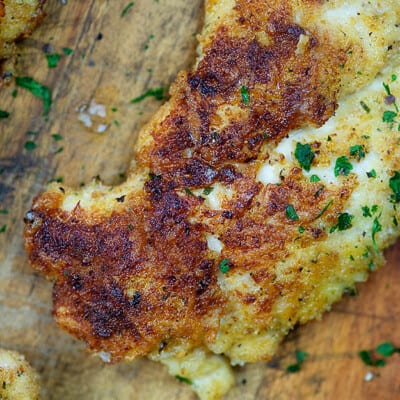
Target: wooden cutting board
[[115, 59]]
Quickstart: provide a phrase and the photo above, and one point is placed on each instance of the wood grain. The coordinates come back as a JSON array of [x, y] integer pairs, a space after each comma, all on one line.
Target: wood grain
[[144, 49]]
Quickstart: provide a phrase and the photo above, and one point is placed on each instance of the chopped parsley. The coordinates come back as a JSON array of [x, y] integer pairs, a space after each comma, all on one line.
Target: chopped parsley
[[301, 229], [4, 212], [127, 8], [183, 379], [365, 107], [207, 190], [29, 145], [376, 227], [53, 59], [56, 137], [389, 116], [14, 93], [189, 192], [344, 222], [394, 184], [366, 358], [245, 95], [371, 174], [67, 51], [37, 89], [314, 178], [157, 93], [324, 209], [291, 213], [304, 155], [300, 358], [343, 166], [386, 349], [357, 151], [4, 114], [224, 265], [3, 228], [59, 150], [366, 211]]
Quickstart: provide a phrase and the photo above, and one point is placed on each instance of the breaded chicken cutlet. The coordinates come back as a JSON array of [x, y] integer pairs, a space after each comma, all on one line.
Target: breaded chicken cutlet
[[18, 379], [264, 188], [18, 18]]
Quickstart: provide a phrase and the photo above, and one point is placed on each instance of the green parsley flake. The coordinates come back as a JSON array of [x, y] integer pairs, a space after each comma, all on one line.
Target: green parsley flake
[[389, 116], [314, 178], [371, 174], [301, 229], [127, 8], [53, 59], [343, 166], [37, 89], [344, 222], [207, 190], [56, 137], [300, 357], [189, 192], [3, 228], [357, 151], [291, 213], [365, 107], [4, 114], [366, 211], [67, 51], [59, 150], [366, 357], [224, 266], [324, 209], [304, 155], [183, 379], [245, 95], [157, 93], [29, 145], [394, 184], [4, 212], [14, 93], [376, 227], [386, 349]]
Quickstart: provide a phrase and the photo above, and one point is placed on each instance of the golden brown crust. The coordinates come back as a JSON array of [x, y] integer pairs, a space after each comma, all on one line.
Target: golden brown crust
[[138, 275]]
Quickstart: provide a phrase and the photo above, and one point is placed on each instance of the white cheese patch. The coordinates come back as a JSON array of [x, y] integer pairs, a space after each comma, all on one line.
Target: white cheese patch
[[214, 244]]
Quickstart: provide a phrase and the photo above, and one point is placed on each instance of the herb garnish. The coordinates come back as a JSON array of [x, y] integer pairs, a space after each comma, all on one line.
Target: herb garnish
[[376, 227], [304, 155], [53, 59], [29, 145], [127, 8], [357, 151], [67, 51], [224, 266], [37, 89], [4, 114], [157, 93], [394, 184], [245, 95], [207, 190], [343, 166], [314, 178], [183, 379], [365, 107], [371, 174], [56, 137], [344, 222], [324, 209], [300, 357], [3, 228], [291, 213]]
